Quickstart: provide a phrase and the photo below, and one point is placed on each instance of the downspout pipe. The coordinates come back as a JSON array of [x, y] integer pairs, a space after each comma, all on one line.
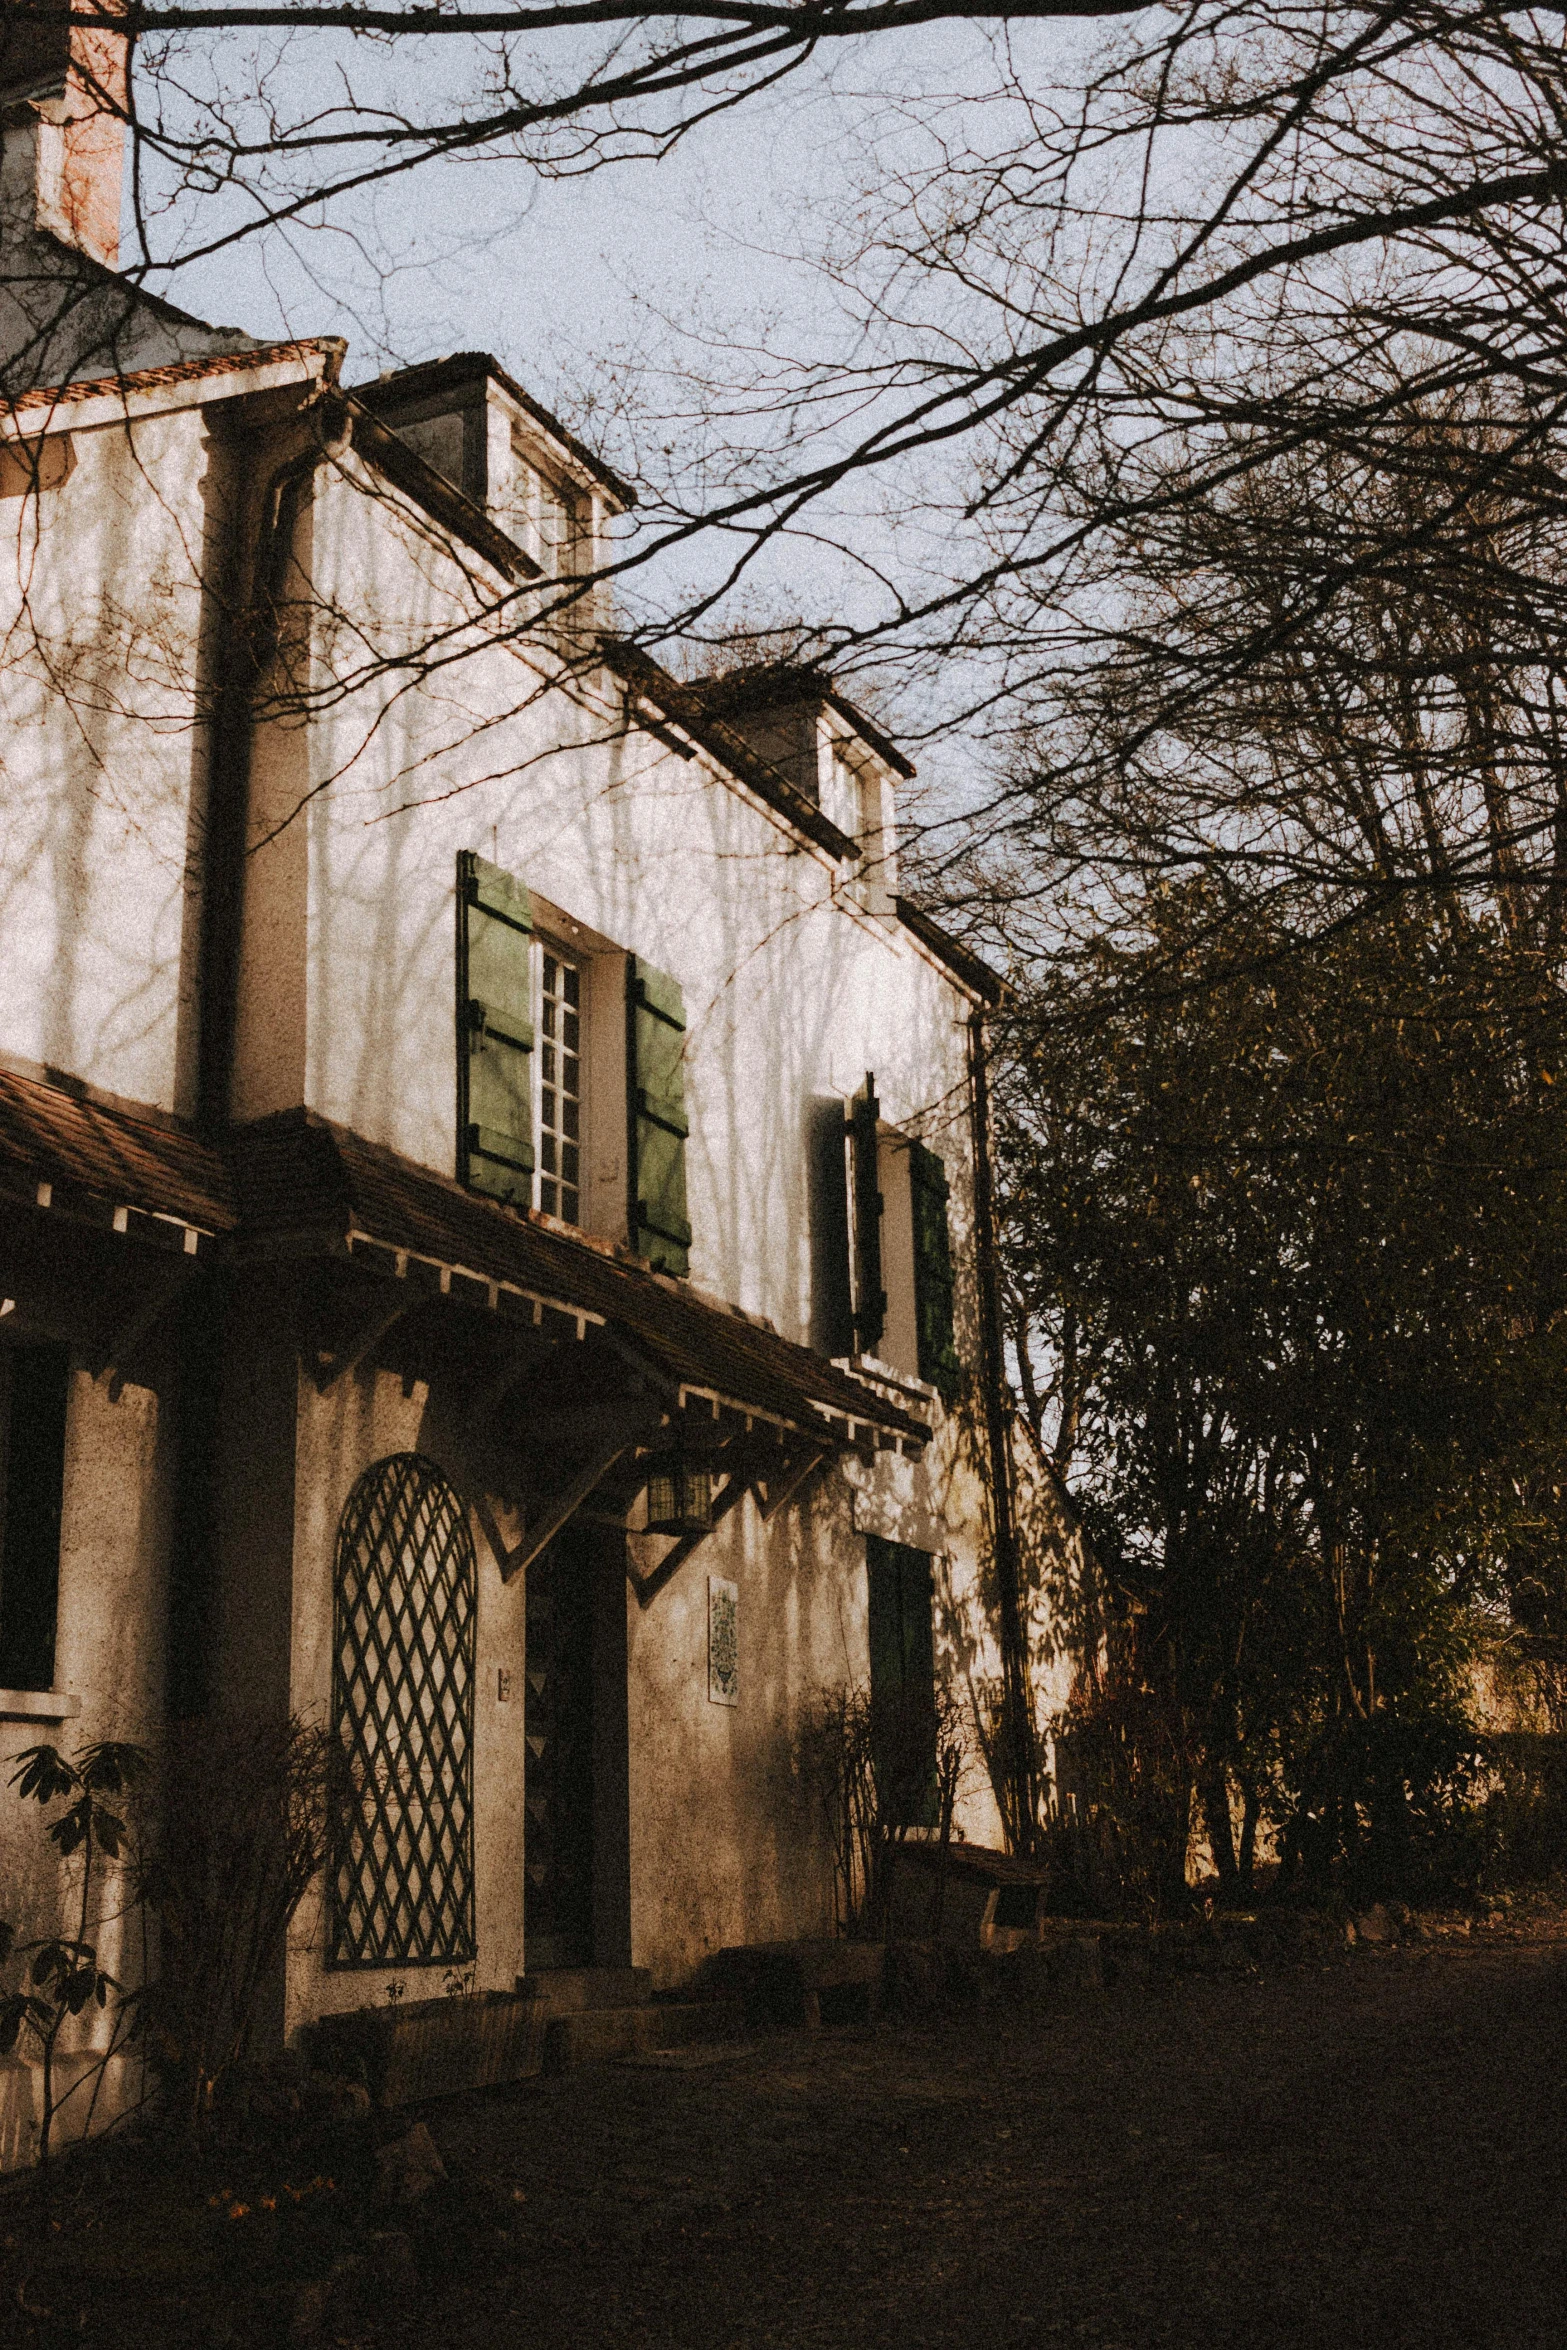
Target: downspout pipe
[[253, 635], [1020, 1761]]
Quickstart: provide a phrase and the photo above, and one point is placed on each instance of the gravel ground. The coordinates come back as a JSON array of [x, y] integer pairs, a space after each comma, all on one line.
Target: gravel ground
[[1372, 2151], [1368, 2148]]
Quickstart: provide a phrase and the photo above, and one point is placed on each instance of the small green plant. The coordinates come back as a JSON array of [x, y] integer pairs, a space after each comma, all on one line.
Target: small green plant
[[395, 1990], [61, 1977], [243, 1820], [458, 1982], [880, 1767]]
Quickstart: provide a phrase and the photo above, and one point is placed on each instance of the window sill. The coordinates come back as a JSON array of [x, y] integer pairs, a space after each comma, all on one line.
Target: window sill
[[877, 1373], [38, 1705]]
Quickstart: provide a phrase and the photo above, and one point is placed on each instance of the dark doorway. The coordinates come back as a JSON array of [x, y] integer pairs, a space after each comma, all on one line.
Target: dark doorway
[[574, 1774]]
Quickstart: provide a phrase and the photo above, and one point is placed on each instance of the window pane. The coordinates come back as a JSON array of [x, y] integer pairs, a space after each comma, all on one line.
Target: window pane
[[560, 1092]]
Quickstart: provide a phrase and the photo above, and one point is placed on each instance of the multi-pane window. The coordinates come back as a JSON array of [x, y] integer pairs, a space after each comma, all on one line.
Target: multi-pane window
[[560, 1087]]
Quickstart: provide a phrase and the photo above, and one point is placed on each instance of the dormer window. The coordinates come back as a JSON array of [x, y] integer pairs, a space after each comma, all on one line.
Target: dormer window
[[466, 417]]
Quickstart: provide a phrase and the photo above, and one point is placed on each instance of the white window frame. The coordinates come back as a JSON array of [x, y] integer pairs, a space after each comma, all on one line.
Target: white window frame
[[545, 1045]]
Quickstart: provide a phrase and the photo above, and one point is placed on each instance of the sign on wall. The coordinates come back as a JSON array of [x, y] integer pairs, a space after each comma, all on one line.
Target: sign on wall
[[723, 1641]]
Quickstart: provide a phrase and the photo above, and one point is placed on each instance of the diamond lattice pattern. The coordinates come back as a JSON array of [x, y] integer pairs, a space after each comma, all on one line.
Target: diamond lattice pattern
[[402, 1709]]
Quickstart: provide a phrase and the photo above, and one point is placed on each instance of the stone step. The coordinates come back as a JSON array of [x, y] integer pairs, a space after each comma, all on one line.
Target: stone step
[[566, 1989], [781, 1985], [596, 2035]]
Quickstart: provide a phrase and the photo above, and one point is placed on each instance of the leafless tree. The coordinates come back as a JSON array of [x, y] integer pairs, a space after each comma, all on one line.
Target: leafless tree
[[1241, 258]]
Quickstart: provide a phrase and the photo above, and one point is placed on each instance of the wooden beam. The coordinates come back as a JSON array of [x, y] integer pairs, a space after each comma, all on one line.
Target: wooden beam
[[143, 1317], [381, 1319], [781, 1490], [647, 1368], [634, 1428], [538, 1532]]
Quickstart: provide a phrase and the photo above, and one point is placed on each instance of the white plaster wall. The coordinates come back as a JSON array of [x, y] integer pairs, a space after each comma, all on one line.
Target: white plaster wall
[[791, 990], [792, 993], [100, 744], [110, 1656], [729, 1841]]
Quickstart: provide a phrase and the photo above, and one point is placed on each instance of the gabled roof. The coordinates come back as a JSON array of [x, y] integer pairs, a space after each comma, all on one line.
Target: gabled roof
[[105, 398], [961, 961], [776, 685]]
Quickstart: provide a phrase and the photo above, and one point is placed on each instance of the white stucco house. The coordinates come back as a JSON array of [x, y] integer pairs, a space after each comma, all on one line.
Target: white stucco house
[[492, 1213]]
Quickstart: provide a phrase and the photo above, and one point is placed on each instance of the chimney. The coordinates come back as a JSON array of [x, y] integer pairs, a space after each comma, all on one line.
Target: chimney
[[62, 92]]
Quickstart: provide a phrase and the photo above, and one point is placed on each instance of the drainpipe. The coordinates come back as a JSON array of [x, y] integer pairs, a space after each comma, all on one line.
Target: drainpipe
[[252, 639], [1020, 1767]]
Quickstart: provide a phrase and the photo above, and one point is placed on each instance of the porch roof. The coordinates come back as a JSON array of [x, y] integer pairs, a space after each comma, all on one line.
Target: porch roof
[[92, 1164], [296, 1185], [306, 1185]]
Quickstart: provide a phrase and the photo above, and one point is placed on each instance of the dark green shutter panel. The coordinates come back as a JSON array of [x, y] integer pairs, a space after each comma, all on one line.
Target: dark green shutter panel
[[901, 1594], [494, 1031], [832, 1277], [933, 1272], [656, 1025], [870, 1298]]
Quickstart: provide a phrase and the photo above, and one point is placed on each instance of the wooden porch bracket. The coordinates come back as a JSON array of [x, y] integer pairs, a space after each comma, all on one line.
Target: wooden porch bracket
[[779, 1491], [138, 1324], [378, 1324], [540, 1530]]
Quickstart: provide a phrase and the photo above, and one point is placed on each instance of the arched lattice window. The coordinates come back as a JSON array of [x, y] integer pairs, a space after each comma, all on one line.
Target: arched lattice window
[[402, 1710]]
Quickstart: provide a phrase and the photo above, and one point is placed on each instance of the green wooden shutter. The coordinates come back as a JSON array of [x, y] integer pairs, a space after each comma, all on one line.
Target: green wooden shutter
[[832, 1275], [870, 1298], [656, 1035], [494, 1031], [901, 1594], [933, 1272]]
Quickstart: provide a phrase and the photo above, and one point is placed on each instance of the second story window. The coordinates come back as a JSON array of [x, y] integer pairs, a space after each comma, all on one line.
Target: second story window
[[571, 1078], [560, 1087], [881, 1245]]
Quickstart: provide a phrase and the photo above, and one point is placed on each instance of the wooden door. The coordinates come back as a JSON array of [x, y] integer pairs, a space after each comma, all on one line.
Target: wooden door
[[558, 1770]]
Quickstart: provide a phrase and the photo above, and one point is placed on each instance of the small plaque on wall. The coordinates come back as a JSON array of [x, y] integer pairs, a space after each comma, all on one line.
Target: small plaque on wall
[[723, 1641]]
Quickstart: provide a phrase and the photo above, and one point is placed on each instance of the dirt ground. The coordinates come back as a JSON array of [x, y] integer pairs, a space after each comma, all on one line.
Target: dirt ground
[[1367, 2148]]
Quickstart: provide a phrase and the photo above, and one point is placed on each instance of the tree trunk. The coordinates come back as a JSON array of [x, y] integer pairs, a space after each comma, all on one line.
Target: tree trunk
[[1216, 1819], [1251, 1810]]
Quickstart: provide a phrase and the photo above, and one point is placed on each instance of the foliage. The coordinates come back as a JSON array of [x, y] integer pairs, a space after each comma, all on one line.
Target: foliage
[[1285, 1236], [245, 1812], [64, 1980]]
